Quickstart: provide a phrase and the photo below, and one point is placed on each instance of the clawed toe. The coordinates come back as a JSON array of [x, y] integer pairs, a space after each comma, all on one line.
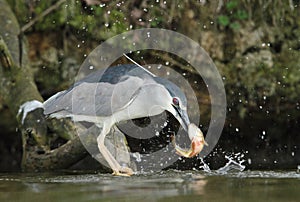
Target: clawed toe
[[124, 171]]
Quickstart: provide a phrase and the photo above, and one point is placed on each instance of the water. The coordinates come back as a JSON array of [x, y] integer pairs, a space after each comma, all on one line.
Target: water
[[162, 186]]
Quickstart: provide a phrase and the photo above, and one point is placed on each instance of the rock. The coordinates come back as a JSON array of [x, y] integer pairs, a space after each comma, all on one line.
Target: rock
[[69, 69], [260, 57], [248, 38], [212, 42], [50, 56]]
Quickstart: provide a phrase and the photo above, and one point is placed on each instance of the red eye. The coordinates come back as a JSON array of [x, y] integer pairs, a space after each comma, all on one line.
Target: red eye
[[175, 101]]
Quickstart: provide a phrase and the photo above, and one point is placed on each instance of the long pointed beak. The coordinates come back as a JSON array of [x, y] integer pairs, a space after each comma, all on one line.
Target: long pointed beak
[[183, 118]]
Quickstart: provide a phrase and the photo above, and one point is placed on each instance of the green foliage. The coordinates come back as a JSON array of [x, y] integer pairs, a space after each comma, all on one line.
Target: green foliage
[[250, 85], [223, 20], [235, 25], [241, 15], [233, 15], [157, 21], [96, 21], [230, 5]]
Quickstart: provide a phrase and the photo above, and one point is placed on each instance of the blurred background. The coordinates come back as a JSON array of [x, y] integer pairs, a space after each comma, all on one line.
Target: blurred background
[[254, 44]]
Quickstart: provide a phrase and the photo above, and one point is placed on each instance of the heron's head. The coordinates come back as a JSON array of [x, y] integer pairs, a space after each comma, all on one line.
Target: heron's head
[[177, 105], [176, 102]]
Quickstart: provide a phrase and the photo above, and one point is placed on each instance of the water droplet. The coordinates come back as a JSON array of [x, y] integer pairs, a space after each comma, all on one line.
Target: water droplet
[[237, 129], [91, 67], [106, 24], [137, 156]]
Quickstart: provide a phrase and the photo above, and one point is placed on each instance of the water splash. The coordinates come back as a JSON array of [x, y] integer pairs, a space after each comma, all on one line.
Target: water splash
[[232, 165], [205, 167]]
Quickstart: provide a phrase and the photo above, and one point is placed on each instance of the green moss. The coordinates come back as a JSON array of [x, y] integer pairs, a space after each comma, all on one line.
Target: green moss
[[250, 86], [232, 16]]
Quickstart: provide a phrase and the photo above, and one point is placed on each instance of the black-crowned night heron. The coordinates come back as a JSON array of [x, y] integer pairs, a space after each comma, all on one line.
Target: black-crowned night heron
[[121, 93]]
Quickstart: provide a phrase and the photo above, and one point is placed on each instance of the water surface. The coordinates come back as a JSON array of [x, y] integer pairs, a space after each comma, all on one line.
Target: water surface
[[161, 186]]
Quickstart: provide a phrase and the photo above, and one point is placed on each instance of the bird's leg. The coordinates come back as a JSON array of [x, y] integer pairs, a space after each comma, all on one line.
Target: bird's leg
[[112, 162]]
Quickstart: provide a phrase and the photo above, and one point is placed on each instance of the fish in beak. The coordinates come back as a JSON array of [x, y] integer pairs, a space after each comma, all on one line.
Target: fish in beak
[[195, 134], [197, 142]]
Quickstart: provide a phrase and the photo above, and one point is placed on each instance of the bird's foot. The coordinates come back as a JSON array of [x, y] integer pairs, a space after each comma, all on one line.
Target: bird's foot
[[124, 171]]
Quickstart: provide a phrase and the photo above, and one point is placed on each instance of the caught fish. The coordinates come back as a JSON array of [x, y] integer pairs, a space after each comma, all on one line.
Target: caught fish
[[197, 143]]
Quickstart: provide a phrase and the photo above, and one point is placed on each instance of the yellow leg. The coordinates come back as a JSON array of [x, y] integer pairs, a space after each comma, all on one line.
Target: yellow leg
[[112, 162]]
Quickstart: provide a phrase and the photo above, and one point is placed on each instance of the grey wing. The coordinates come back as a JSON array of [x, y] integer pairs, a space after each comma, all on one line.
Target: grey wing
[[55, 103], [124, 93], [93, 99], [84, 99]]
